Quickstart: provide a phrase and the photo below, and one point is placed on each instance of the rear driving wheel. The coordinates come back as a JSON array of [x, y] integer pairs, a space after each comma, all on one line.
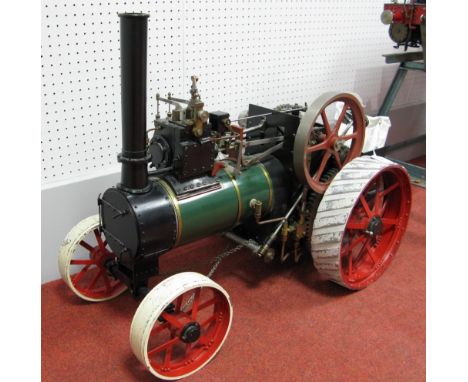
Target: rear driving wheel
[[181, 325], [361, 221], [82, 260]]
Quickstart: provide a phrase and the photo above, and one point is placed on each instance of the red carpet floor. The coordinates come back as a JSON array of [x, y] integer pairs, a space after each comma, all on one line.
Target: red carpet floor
[[419, 161], [289, 324]]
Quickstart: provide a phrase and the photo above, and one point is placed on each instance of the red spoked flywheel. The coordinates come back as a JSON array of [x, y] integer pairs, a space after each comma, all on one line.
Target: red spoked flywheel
[[181, 325], [324, 140], [82, 259], [361, 221]]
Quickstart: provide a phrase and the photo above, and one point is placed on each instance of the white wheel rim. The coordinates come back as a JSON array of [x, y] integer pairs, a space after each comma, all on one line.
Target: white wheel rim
[[72, 251], [201, 351]]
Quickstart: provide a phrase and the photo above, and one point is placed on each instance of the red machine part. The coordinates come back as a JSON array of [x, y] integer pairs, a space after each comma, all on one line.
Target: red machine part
[[403, 14], [314, 153], [361, 221]]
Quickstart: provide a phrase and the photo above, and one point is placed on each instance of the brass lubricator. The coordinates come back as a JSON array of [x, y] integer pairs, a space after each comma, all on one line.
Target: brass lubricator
[[195, 109], [193, 116], [257, 206]]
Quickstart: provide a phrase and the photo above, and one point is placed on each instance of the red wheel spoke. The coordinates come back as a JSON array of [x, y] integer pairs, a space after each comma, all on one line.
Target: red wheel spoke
[[82, 262], [178, 304], [384, 208], [370, 252], [204, 305], [185, 315], [390, 189], [350, 263], [207, 303], [378, 201], [356, 241], [389, 221], [318, 147], [84, 244], [341, 117], [365, 205], [358, 256], [319, 172], [95, 279], [107, 282], [338, 159], [347, 137], [163, 346], [99, 239], [208, 321], [196, 303], [159, 328], [325, 123], [188, 348], [80, 274], [172, 320], [168, 355], [362, 250], [203, 340], [357, 224]]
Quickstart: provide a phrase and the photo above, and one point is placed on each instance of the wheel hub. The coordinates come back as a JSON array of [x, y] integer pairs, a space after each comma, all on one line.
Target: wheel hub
[[190, 332], [375, 226]]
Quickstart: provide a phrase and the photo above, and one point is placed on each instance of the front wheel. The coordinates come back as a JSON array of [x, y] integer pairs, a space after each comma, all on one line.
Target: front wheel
[[181, 325], [82, 259]]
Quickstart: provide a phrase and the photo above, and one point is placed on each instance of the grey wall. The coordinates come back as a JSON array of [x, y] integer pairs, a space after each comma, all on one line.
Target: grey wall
[[407, 123], [61, 208]]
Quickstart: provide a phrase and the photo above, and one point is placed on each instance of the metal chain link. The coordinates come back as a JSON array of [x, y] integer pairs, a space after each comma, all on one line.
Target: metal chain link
[[216, 262], [218, 259]]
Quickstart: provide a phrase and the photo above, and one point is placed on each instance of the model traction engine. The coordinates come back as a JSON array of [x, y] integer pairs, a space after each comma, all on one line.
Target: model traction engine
[[406, 22], [282, 182]]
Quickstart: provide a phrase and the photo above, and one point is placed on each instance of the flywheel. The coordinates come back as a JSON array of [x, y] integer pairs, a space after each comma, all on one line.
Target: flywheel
[[360, 221], [333, 122]]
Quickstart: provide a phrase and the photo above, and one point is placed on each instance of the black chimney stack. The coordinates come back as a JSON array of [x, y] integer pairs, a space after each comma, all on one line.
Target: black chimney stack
[[133, 47]]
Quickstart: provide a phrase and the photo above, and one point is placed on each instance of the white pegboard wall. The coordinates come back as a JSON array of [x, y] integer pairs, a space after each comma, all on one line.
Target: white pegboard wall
[[244, 51]]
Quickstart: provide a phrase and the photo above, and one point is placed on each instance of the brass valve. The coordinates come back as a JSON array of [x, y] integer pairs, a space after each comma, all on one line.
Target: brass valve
[[257, 206]]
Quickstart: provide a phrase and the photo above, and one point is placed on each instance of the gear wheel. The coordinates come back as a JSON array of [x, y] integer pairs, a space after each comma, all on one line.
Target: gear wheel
[[313, 201]]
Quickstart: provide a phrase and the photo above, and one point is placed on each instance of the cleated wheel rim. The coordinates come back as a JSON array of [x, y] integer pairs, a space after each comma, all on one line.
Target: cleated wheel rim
[[181, 325], [361, 221], [316, 149], [82, 259]]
